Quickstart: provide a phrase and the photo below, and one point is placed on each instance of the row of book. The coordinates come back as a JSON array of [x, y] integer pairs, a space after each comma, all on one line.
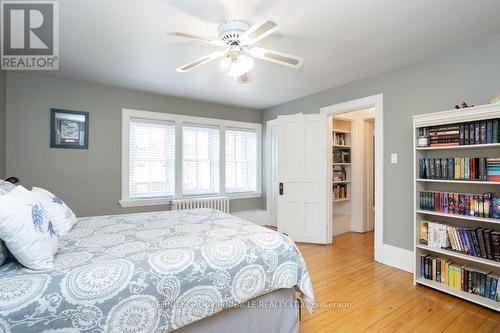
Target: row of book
[[341, 155], [493, 169], [477, 242], [339, 173], [465, 278], [339, 191], [480, 205], [468, 168], [339, 139], [478, 132]]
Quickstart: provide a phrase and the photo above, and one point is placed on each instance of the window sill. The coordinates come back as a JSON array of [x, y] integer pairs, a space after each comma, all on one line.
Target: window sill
[[145, 202], [126, 203], [244, 195]]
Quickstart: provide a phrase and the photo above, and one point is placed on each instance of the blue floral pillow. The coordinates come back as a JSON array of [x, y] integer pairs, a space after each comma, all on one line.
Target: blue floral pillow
[[62, 217], [26, 230]]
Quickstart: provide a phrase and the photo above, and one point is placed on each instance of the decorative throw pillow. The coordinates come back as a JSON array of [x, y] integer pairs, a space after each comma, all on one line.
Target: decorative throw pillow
[[62, 217], [25, 229], [6, 187]]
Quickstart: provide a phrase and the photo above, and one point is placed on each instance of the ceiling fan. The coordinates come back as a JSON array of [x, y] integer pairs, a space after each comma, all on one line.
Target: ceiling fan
[[237, 38]]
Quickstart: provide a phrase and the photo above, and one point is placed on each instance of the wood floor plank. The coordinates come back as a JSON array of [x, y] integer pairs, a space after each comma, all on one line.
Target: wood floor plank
[[379, 298]]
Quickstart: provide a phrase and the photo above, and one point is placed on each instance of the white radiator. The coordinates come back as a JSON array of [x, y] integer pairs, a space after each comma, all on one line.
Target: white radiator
[[216, 202]]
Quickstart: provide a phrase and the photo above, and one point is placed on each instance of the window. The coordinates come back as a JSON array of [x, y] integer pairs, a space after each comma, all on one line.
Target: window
[[169, 156], [200, 165], [152, 159], [241, 160]]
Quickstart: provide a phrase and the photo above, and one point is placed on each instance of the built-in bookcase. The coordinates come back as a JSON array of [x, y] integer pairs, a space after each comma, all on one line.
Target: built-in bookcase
[[437, 211], [341, 148]]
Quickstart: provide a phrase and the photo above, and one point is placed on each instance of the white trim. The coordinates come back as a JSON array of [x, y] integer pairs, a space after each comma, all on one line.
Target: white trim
[[168, 200], [257, 216], [269, 189], [180, 120], [488, 111], [145, 202], [375, 101], [397, 257]]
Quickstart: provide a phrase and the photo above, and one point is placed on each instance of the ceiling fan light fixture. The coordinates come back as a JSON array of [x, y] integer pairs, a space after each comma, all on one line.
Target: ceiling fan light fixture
[[241, 65]]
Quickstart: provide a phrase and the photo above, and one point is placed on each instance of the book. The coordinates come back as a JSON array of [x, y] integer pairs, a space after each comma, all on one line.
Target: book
[[424, 232], [495, 130], [472, 134], [482, 132], [495, 245], [487, 241], [489, 131], [477, 137]]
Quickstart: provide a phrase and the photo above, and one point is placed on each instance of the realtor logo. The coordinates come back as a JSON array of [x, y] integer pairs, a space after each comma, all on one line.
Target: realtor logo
[[30, 35]]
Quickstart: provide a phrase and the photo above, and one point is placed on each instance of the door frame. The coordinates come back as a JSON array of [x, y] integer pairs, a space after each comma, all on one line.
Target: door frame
[[269, 198], [376, 102]]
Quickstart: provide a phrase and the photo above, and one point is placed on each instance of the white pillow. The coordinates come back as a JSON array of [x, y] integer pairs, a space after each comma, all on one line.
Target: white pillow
[[62, 217], [6, 187], [25, 229]]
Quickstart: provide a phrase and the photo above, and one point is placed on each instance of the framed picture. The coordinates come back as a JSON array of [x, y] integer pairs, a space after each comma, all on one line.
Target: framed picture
[[69, 129]]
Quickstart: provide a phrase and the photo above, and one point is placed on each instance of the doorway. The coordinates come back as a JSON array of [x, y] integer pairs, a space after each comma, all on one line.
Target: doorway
[[353, 171], [374, 103]]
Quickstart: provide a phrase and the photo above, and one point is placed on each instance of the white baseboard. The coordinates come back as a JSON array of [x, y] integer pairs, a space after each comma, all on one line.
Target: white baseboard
[[257, 216], [397, 257]]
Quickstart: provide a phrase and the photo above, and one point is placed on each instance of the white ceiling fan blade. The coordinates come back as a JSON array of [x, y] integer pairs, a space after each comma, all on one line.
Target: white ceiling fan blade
[[258, 31], [245, 78], [276, 57], [200, 61], [197, 38]]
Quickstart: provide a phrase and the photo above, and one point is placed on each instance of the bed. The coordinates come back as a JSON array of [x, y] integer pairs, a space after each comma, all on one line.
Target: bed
[[158, 272]]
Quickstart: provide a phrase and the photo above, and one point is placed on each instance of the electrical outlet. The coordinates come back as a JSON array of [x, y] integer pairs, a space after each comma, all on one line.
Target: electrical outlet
[[394, 158]]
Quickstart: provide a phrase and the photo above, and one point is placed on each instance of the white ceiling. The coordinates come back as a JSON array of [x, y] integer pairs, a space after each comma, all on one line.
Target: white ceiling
[[123, 42]]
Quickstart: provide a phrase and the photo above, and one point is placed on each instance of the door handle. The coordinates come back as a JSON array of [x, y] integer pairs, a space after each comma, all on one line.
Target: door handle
[[281, 188]]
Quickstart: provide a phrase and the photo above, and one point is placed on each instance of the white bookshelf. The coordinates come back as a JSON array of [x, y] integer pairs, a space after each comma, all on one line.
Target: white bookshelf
[[341, 205], [453, 181], [484, 112]]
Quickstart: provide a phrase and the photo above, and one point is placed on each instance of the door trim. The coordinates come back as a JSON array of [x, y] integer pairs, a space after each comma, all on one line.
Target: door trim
[[269, 184], [376, 102]]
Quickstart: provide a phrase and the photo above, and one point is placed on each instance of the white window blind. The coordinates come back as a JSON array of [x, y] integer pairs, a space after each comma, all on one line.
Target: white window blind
[[241, 161], [152, 158], [200, 164]]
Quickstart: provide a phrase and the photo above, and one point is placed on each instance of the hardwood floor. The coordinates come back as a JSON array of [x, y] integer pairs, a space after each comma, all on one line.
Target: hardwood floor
[[366, 296]]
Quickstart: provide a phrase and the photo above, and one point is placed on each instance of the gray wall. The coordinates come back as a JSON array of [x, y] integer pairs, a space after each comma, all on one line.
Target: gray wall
[[3, 87], [88, 180], [470, 73]]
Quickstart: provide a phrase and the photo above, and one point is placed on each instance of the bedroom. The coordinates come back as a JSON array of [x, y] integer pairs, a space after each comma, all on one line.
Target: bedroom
[[112, 129]]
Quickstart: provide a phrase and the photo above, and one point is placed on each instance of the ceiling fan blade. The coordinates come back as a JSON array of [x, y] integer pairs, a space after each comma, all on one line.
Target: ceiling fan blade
[[200, 61], [245, 78], [276, 57], [197, 38], [258, 31]]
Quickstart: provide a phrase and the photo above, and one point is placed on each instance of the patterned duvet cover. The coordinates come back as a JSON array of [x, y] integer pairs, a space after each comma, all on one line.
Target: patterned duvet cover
[[150, 272]]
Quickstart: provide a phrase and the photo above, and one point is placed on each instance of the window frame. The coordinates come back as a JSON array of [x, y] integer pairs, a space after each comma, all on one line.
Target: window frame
[[180, 121], [257, 143]]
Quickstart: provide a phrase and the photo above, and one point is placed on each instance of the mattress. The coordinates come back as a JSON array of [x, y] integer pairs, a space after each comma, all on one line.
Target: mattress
[[149, 272]]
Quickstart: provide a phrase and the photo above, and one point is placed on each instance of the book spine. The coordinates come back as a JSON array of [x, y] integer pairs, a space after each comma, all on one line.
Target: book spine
[[489, 131], [487, 241], [495, 245], [462, 134], [495, 131]]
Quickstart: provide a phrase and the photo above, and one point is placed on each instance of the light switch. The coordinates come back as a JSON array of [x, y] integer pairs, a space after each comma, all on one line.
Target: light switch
[[394, 158]]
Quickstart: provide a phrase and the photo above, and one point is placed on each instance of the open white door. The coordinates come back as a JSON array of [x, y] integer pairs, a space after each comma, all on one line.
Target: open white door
[[272, 175], [302, 207]]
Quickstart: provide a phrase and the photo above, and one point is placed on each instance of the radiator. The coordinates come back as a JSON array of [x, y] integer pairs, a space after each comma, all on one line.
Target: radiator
[[216, 202]]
